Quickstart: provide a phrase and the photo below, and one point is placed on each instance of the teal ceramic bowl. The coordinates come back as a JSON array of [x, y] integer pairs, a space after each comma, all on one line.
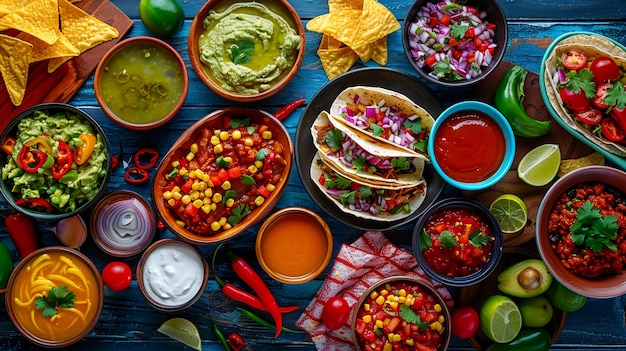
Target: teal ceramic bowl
[[544, 81], [464, 165]]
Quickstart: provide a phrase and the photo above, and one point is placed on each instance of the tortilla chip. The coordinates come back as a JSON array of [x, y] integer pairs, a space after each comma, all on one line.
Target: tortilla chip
[[15, 57], [82, 30], [593, 159], [379, 51], [376, 22], [42, 51], [39, 18], [335, 60], [8, 6], [340, 5], [340, 25]]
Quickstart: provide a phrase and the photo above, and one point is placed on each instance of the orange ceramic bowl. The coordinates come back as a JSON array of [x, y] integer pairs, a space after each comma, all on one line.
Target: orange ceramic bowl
[[141, 83], [263, 179], [238, 90], [290, 260], [56, 264]]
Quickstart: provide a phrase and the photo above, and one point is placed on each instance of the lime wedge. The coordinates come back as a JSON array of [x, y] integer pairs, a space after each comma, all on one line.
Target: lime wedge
[[510, 212], [183, 330], [540, 165], [500, 318]]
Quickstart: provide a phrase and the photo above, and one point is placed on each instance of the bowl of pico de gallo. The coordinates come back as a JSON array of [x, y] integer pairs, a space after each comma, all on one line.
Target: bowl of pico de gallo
[[454, 43]]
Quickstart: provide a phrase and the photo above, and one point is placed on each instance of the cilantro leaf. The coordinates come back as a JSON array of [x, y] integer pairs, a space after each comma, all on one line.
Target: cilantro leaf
[[425, 241], [365, 191], [458, 32], [234, 123], [401, 163], [58, 297], [410, 316], [414, 126], [347, 198], [229, 194], [260, 155], [420, 145], [376, 129], [238, 214], [442, 68], [342, 183], [594, 231], [359, 163], [616, 96], [581, 80], [247, 180], [478, 239], [447, 239], [334, 138], [242, 52], [220, 162]]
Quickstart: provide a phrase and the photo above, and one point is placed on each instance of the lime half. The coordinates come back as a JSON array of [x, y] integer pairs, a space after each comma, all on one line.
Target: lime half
[[540, 165], [500, 318], [510, 212], [183, 330]]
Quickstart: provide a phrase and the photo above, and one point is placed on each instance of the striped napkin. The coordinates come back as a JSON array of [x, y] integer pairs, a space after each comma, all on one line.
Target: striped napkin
[[357, 267]]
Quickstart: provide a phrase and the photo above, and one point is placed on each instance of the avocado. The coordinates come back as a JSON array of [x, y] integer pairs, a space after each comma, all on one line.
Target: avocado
[[527, 278]]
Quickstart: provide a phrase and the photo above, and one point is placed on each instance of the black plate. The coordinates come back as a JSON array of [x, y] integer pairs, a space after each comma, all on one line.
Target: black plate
[[387, 78]]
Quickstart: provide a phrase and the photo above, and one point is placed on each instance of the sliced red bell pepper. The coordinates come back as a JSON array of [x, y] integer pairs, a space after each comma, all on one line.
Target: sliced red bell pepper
[[136, 175], [146, 158], [30, 160], [35, 204], [63, 161]]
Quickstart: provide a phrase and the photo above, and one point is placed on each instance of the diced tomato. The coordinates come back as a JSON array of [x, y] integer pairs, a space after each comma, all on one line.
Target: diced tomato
[[445, 20], [186, 188], [191, 210], [222, 174], [263, 191], [234, 173]]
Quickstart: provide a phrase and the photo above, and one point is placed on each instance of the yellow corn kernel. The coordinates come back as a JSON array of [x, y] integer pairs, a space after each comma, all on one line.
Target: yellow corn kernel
[[194, 148], [217, 197], [379, 324], [194, 195], [206, 200], [206, 178], [208, 192], [228, 159], [393, 304], [185, 199], [198, 185], [387, 347], [384, 292], [437, 307], [380, 300], [218, 148], [441, 319], [226, 185], [396, 338], [409, 342], [388, 287], [167, 195], [236, 134], [248, 142], [258, 164], [367, 307], [180, 223], [182, 171], [390, 297], [270, 187], [176, 189], [436, 326], [373, 295], [230, 202], [198, 173], [402, 292], [175, 163], [177, 195], [223, 135], [367, 318], [215, 140], [252, 169], [171, 202], [213, 206], [197, 203], [227, 226], [259, 200], [192, 175], [267, 135], [215, 225], [402, 299], [206, 208], [222, 221], [190, 156]]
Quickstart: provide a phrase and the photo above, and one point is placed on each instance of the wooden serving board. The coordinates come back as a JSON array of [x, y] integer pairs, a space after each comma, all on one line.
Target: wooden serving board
[[569, 146], [61, 85]]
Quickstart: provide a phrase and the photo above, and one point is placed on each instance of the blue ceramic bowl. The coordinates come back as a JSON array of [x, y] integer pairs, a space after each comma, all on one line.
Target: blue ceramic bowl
[[474, 107], [497, 241]]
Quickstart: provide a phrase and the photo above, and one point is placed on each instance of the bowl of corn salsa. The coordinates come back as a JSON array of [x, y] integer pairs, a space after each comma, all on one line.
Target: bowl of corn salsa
[[401, 313], [224, 174]]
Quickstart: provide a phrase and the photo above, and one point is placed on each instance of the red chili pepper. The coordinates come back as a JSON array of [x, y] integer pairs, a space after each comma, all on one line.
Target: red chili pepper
[[240, 295], [21, 228], [63, 161], [35, 204], [286, 110], [30, 160], [136, 175], [235, 341], [250, 276], [146, 158]]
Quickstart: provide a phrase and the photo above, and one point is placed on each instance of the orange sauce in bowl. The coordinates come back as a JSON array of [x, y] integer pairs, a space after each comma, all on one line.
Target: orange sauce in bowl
[[293, 246]]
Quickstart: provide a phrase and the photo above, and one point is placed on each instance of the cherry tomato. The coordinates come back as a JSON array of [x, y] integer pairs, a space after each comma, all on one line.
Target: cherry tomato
[[335, 313], [604, 69], [591, 117], [465, 321], [619, 116], [611, 131], [574, 59], [601, 93], [576, 102], [117, 276]]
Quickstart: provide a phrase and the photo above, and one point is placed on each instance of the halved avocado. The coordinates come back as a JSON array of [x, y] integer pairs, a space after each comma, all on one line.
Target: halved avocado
[[527, 278]]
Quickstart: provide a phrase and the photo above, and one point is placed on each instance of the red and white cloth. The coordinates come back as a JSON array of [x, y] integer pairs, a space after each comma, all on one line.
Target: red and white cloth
[[357, 267]]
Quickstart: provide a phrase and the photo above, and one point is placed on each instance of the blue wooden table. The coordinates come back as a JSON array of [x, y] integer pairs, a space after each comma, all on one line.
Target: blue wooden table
[[129, 323]]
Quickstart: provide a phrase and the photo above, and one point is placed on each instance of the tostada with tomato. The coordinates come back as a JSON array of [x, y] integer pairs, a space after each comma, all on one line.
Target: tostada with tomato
[[587, 77]]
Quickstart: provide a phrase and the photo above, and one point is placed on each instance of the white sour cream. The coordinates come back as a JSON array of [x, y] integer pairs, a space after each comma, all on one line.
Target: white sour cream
[[173, 274]]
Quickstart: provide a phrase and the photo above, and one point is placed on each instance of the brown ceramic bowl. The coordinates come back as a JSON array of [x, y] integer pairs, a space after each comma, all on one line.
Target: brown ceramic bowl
[[141, 83], [413, 283], [181, 148], [606, 287], [475, 295], [123, 223], [70, 328], [249, 90], [294, 261], [172, 275]]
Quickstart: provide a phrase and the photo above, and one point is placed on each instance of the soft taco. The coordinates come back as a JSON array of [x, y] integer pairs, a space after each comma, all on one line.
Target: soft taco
[[555, 77], [386, 115], [363, 199], [363, 156]]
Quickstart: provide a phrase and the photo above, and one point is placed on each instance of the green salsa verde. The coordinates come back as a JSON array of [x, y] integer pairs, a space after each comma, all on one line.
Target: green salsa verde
[[142, 83]]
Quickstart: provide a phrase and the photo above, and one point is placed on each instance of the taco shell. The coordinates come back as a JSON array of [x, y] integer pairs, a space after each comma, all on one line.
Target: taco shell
[[592, 46]]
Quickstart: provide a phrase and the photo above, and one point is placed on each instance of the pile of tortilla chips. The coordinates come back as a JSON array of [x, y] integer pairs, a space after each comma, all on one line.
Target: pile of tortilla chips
[[37, 30], [352, 30]]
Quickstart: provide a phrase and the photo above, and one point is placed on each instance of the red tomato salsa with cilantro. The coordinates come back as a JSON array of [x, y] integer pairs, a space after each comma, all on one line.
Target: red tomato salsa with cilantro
[[456, 242], [223, 176], [587, 230], [401, 316]]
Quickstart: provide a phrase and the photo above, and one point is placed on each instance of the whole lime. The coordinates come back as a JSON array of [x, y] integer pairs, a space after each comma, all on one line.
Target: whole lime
[[162, 17], [563, 298]]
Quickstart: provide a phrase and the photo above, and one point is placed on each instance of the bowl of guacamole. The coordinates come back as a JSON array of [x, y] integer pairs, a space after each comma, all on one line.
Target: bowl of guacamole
[[55, 161]]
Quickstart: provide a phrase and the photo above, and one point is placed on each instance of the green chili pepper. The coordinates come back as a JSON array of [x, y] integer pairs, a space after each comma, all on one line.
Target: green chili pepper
[[263, 322], [508, 100], [219, 335], [526, 340], [6, 265]]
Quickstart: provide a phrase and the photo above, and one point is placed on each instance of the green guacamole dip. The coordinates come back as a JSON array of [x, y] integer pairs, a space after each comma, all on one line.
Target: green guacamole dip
[[248, 48], [142, 83], [80, 184]]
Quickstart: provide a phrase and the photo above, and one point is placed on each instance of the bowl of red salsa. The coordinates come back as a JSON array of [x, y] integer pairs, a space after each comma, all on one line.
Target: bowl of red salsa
[[458, 242], [401, 313], [472, 145]]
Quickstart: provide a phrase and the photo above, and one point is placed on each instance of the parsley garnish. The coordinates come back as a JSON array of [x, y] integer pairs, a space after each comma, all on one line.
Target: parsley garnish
[[242, 51], [458, 32], [234, 123], [477, 239], [410, 316], [334, 138], [616, 96], [594, 231], [58, 297], [247, 180], [376, 129], [447, 239], [425, 241], [581, 80], [239, 213]]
